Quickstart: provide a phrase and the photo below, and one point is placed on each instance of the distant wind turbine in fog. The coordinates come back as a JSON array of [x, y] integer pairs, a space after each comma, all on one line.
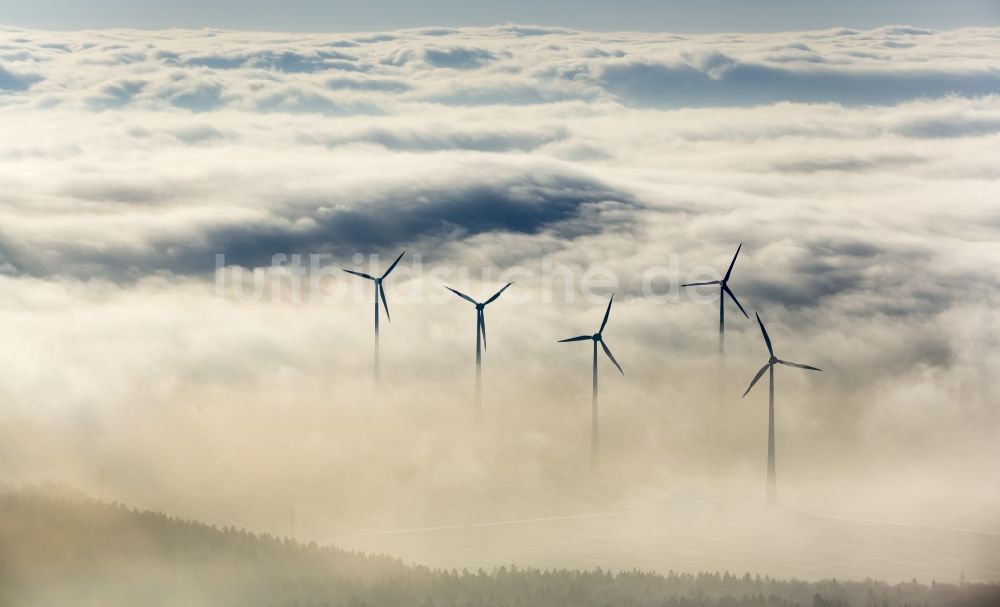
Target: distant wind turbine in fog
[[769, 367], [480, 339], [597, 338], [379, 294], [723, 291]]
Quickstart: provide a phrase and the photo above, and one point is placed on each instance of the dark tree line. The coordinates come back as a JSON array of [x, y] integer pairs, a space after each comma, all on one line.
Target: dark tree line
[[79, 552]]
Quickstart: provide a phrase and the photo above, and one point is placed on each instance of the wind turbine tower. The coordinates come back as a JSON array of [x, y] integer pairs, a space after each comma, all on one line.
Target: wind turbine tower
[[769, 367], [723, 291], [379, 294], [480, 340], [597, 338]]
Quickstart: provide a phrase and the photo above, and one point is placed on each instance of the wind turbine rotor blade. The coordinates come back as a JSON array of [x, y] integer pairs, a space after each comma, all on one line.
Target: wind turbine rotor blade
[[785, 362], [764, 332], [497, 294], [756, 378], [725, 288], [611, 356], [698, 284], [463, 296], [361, 274], [607, 313], [381, 292], [732, 263], [577, 338], [482, 326], [393, 266]]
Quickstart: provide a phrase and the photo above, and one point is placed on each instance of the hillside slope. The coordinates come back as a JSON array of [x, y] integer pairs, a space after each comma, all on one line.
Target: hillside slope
[[77, 551]]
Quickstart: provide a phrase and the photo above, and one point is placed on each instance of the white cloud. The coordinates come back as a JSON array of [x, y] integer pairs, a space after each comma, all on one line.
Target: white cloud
[[859, 169]]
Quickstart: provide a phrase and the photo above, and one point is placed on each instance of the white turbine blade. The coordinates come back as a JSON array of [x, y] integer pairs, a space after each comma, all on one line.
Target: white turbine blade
[[785, 362], [756, 378], [463, 296], [611, 356], [361, 274]]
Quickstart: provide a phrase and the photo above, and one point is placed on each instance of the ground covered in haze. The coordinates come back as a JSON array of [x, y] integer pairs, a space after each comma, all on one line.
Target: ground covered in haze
[[63, 550]]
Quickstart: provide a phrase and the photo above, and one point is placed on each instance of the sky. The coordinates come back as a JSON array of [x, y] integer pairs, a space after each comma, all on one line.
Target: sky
[[683, 16], [858, 167]]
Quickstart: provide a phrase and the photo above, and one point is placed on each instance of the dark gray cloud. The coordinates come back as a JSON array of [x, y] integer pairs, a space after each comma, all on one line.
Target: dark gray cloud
[[601, 53], [905, 30], [13, 260], [385, 85], [949, 126], [116, 94], [282, 61], [437, 31], [11, 81], [720, 80], [530, 204], [823, 273], [342, 44], [119, 191], [460, 58], [189, 134], [492, 95], [197, 134], [566, 205], [373, 38], [531, 30], [850, 164], [202, 97], [121, 57], [297, 100], [449, 139]]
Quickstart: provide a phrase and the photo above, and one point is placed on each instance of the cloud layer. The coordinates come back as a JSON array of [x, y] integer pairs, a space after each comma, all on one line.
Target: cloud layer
[[533, 102], [858, 168]]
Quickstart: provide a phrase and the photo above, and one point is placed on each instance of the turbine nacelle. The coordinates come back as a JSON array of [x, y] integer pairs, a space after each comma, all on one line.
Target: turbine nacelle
[[772, 359], [480, 312], [598, 338], [379, 289], [723, 284]]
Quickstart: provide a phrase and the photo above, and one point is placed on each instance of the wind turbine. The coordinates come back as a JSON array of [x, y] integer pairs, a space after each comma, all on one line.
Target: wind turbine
[[723, 291], [597, 338], [480, 332], [379, 293], [769, 367]]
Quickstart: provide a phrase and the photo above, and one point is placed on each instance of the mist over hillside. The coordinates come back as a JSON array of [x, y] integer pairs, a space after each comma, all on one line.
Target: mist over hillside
[[65, 550]]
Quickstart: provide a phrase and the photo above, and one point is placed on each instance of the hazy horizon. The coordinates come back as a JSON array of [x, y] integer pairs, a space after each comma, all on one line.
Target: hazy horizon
[[680, 16]]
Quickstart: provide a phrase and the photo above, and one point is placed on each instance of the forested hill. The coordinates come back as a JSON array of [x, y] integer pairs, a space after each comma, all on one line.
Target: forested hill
[[81, 552]]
